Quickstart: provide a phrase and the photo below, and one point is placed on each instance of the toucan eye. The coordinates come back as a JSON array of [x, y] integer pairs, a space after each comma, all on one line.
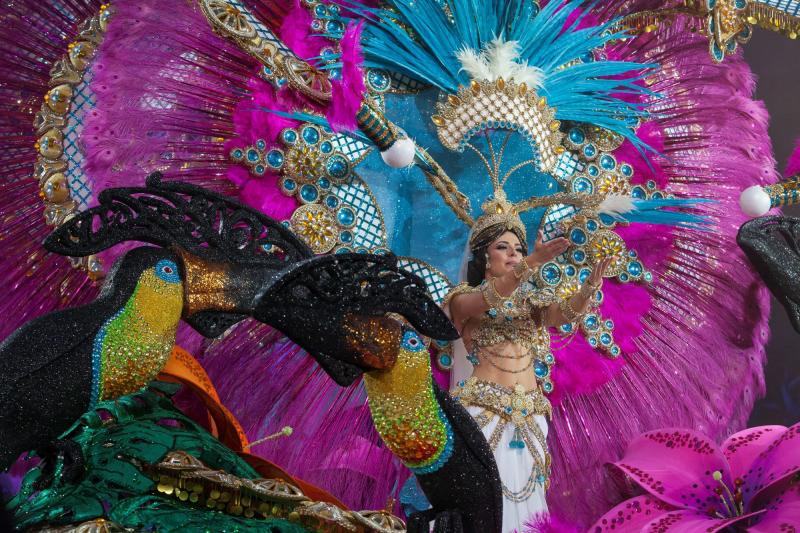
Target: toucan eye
[[167, 270]]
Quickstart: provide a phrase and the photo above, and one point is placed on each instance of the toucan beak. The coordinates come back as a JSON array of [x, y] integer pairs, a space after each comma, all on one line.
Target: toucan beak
[[211, 286]]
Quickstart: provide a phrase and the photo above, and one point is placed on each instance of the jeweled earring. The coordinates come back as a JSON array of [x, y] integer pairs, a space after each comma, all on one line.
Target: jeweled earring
[[488, 263]]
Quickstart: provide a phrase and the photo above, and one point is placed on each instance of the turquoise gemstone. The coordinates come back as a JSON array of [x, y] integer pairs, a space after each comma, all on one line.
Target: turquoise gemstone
[[290, 136], [261, 144], [338, 166], [579, 256], [237, 154], [582, 185], [577, 236], [626, 170], [635, 268], [275, 158], [589, 150], [260, 169], [331, 201], [639, 193], [324, 183], [310, 135], [540, 369], [605, 338], [445, 360], [252, 155], [570, 270], [309, 193], [334, 26], [591, 322], [577, 136], [591, 225], [346, 216], [289, 184], [593, 170], [551, 273], [607, 162], [547, 386], [326, 147], [624, 277], [346, 237]]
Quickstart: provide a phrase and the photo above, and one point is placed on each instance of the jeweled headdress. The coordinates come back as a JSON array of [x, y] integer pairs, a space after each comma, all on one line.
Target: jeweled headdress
[[497, 210]]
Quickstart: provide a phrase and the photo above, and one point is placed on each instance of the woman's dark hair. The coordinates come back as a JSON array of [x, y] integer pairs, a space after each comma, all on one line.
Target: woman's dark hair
[[476, 268]]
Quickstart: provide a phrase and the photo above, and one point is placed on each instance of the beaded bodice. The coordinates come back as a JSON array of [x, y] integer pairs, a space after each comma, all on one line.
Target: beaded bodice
[[514, 321]]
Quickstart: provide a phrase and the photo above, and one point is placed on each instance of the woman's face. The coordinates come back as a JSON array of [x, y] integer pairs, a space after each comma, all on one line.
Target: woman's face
[[504, 252]]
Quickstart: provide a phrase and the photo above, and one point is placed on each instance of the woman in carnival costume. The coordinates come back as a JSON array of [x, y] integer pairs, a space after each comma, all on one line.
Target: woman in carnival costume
[[601, 115], [504, 321]]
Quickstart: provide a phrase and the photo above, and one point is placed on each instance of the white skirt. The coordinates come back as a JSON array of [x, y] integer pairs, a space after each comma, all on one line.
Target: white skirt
[[523, 496], [519, 444]]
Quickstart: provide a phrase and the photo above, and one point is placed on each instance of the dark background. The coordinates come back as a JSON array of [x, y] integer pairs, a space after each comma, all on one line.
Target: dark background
[[775, 60]]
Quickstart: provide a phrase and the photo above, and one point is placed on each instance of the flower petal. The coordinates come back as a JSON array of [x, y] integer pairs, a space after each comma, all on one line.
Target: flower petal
[[774, 466], [744, 447], [631, 515], [690, 522], [676, 466], [781, 513]]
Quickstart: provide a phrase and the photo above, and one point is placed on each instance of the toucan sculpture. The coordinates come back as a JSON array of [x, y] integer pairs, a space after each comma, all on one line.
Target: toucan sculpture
[[215, 263]]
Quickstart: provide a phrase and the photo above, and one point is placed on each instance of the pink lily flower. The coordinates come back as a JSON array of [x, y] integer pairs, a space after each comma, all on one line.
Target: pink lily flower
[[750, 483]]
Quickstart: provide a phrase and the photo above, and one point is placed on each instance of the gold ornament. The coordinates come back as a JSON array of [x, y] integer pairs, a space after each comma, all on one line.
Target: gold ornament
[[316, 225]]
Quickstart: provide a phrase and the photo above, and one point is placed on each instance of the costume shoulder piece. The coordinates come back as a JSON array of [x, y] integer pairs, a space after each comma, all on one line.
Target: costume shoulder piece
[[461, 288]]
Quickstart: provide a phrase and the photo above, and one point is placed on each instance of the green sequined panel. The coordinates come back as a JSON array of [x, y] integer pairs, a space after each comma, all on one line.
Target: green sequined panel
[[117, 438]]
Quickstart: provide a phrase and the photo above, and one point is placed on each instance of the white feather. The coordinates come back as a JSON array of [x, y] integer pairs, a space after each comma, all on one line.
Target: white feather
[[473, 63], [616, 204], [500, 59], [533, 77]]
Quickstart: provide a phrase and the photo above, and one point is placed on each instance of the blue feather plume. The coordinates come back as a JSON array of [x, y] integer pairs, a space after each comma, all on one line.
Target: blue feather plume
[[420, 38]]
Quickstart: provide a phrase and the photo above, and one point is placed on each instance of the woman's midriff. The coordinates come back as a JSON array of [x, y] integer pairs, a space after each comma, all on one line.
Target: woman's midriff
[[514, 360]]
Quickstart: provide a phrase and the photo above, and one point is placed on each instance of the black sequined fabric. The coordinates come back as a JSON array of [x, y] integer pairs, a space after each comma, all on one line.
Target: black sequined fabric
[[773, 246], [175, 214], [46, 365], [312, 301], [465, 494]]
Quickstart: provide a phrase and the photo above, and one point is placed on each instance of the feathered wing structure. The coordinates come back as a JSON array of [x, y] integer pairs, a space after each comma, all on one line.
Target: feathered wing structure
[[165, 93], [168, 93], [539, 45], [695, 355], [32, 40]]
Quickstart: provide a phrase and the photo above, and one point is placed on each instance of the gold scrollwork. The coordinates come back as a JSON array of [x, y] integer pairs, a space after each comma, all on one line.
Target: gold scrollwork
[[51, 121], [231, 23]]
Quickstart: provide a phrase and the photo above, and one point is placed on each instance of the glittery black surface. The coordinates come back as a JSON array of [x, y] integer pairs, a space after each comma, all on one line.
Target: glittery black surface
[[311, 302], [46, 365], [465, 494], [773, 245], [175, 214]]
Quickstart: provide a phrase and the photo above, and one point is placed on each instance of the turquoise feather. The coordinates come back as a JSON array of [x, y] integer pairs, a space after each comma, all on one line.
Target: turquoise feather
[[581, 90]]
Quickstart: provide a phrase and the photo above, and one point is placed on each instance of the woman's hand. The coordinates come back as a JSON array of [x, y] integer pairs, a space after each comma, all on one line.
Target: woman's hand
[[599, 270], [546, 251]]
